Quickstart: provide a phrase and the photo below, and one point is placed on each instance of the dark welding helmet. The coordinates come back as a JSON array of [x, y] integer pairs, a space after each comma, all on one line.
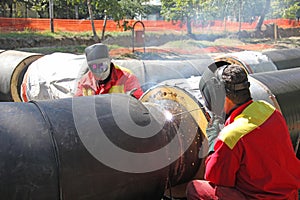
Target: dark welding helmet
[[98, 60], [213, 90], [214, 87]]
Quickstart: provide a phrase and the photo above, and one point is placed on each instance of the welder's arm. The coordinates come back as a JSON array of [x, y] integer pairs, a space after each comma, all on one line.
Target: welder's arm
[[212, 132]]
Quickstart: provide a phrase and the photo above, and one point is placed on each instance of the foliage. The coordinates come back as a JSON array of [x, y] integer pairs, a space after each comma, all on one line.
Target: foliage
[[285, 8], [184, 11], [211, 9], [202, 11], [116, 9], [197, 10]]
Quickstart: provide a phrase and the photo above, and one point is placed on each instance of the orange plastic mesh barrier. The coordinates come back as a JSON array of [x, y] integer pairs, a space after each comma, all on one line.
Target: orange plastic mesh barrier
[[72, 25]]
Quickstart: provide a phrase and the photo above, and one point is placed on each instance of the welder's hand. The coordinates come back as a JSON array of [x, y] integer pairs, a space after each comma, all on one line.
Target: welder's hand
[[212, 131], [131, 92]]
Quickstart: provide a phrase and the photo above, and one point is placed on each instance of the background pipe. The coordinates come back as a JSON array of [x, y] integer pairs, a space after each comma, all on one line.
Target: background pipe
[[284, 58], [56, 82], [13, 65], [264, 61], [285, 86], [55, 76]]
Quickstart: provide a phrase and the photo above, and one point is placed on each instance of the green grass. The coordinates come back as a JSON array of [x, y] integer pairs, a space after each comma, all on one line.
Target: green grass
[[48, 34], [49, 50], [203, 43], [58, 34], [76, 49]]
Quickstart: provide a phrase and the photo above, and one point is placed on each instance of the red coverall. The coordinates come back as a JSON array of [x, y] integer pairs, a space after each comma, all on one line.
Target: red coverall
[[253, 158], [121, 81]]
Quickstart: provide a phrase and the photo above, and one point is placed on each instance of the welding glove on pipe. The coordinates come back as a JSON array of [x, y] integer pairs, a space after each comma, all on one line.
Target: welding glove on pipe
[[212, 131]]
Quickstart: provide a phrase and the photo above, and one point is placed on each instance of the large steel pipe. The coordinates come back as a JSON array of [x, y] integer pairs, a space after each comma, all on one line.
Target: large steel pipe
[[101, 147], [13, 65], [264, 61]]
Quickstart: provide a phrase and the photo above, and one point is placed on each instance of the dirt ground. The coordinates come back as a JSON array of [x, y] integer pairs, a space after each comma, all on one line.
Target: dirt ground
[[159, 46], [221, 46]]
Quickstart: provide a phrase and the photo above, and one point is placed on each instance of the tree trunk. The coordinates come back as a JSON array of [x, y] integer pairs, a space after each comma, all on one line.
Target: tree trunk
[[76, 12], [262, 16], [92, 20], [26, 10], [189, 25], [104, 25], [51, 15], [10, 9], [240, 14]]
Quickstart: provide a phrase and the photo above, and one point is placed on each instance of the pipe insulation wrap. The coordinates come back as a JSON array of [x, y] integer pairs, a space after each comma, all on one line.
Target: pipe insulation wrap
[[264, 61], [13, 65]]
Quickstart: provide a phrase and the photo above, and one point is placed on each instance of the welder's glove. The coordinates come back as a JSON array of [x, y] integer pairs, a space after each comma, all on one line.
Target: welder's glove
[[131, 92], [212, 131]]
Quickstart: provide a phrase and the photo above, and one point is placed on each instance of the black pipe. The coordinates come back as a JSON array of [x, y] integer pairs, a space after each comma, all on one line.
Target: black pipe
[[28, 168], [285, 85], [284, 58], [50, 149]]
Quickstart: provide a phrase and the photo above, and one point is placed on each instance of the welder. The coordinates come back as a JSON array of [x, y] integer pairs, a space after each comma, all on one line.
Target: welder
[[252, 156]]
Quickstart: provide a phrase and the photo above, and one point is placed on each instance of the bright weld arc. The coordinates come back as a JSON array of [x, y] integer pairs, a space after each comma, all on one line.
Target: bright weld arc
[[169, 116]]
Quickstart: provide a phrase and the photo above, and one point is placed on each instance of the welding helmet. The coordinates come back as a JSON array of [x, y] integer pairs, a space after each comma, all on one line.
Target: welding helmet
[[224, 80], [212, 90], [98, 61]]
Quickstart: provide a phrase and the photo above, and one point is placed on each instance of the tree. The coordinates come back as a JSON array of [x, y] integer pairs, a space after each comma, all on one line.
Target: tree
[[263, 14], [284, 8], [39, 6], [113, 9], [92, 19], [183, 11]]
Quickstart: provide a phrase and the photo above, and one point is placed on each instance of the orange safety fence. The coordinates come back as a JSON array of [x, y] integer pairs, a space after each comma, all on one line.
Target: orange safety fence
[[83, 25]]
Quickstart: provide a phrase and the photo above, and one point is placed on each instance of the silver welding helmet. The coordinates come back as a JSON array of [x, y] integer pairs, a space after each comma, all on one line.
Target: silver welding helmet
[[98, 60], [213, 90]]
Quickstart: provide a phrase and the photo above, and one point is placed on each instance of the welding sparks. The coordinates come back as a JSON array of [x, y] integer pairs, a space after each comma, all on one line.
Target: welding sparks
[[168, 115]]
